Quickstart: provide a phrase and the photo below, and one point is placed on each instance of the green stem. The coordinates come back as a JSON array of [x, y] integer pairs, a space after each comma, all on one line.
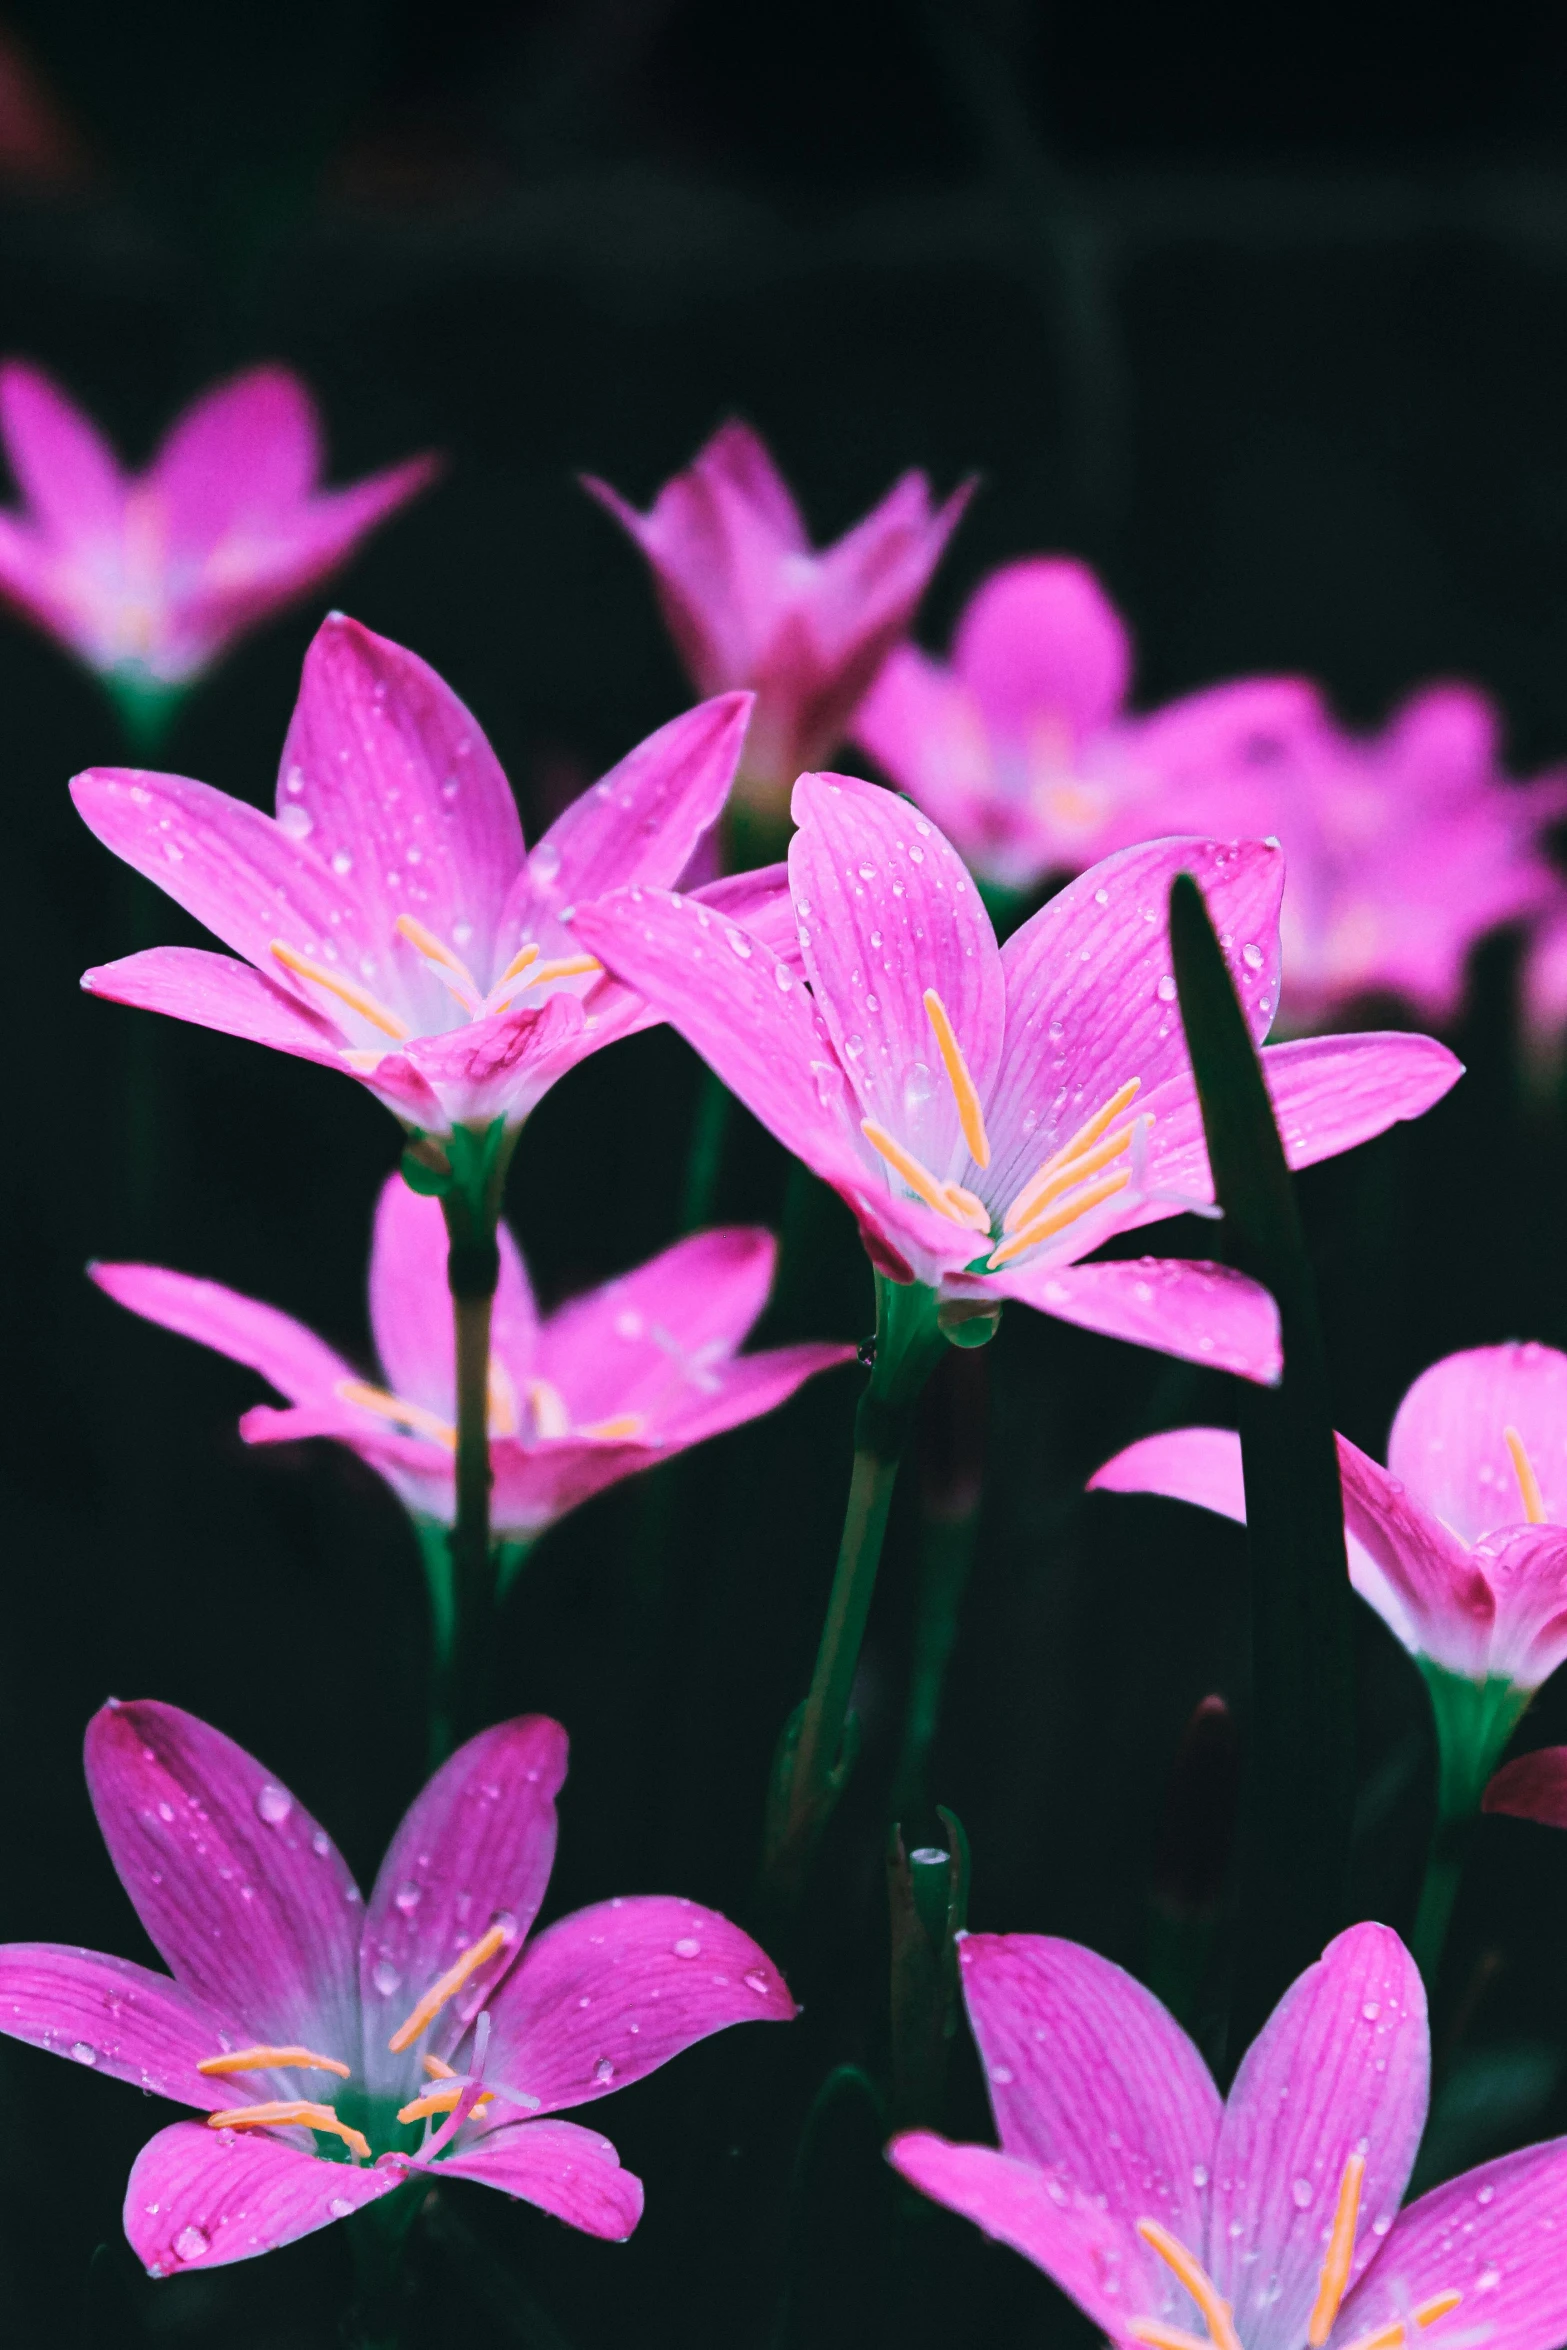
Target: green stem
[[378, 2239], [1474, 1720], [946, 1555], [1438, 1892]]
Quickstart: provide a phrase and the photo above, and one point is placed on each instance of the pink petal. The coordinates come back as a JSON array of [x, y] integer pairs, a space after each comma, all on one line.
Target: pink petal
[[610, 1993], [758, 902], [1093, 2080], [642, 821], [1342, 2066], [64, 468], [120, 2018], [924, 726], [1056, 2226], [298, 1364], [33, 582], [1202, 1313], [1493, 2235], [199, 2198], [1526, 1568], [1199, 1465], [1447, 1443], [411, 1305], [1090, 993], [887, 911], [418, 1468], [1444, 1599], [475, 1848], [570, 2172], [640, 1332], [1532, 1787], [502, 1066], [215, 991], [1041, 640], [238, 459], [242, 1894], [394, 774]]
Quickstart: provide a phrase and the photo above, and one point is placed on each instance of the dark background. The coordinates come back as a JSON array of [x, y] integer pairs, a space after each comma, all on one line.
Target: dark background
[[1265, 312]]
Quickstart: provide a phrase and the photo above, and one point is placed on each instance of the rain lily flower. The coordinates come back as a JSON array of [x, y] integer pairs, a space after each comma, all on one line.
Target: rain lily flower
[[749, 602], [1179, 2221], [992, 1115], [613, 1382], [390, 921], [1022, 748], [149, 577], [336, 2049]]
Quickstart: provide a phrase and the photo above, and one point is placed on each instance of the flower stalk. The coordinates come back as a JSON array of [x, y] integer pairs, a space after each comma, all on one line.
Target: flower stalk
[[1474, 1720]]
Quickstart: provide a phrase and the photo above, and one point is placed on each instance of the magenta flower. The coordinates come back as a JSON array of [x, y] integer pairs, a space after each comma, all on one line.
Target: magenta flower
[[391, 922], [149, 577], [1179, 2221], [1022, 747], [749, 602], [335, 2049], [993, 1114], [610, 1383]]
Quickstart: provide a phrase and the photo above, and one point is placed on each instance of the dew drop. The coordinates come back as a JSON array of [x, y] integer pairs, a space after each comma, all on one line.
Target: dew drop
[[755, 1979], [853, 1046], [165, 1811], [385, 1977], [408, 1897], [298, 823], [84, 2052], [1101, 897], [916, 856], [875, 938], [873, 1003], [688, 1947], [1251, 956], [1301, 2192], [1001, 2074], [1371, 2010], [1488, 2280], [1200, 2174], [274, 1804], [340, 2207], [603, 2071], [1166, 990], [545, 861], [342, 862], [867, 872], [191, 2243], [740, 943], [321, 1843], [1381, 2224]]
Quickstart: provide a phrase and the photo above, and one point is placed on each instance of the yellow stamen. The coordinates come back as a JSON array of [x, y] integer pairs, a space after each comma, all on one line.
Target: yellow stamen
[[358, 999], [619, 1431], [1215, 2309], [1159, 2336], [1395, 2333], [277, 2116], [1340, 2253], [503, 1400], [965, 1092], [446, 1986], [1044, 1189], [564, 967], [1528, 1482], [412, 1416], [450, 965], [442, 2101], [519, 962], [921, 1181], [1092, 1196], [550, 1416], [436, 2070], [261, 2059], [967, 1206], [1073, 1148]]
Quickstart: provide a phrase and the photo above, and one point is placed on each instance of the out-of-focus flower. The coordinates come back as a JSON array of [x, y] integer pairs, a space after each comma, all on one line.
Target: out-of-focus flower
[[992, 1114], [1178, 2221], [335, 2049], [391, 922], [611, 1383], [1022, 748], [750, 602], [1532, 1787], [149, 577]]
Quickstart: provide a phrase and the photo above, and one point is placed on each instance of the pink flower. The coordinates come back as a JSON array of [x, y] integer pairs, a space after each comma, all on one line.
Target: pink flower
[[336, 2049], [149, 577], [1460, 1543], [1022, 747], [992, 1115], [749, 602], [391, 923], [610, 1383], [1178, 2221]]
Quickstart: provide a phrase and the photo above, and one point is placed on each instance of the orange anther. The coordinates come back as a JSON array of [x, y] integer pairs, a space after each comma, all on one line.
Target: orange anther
[[358, 999], [262, 2059], [282, 2113], [446, 1986], [1340, 2255], [965, 1092], [1528, 1482]]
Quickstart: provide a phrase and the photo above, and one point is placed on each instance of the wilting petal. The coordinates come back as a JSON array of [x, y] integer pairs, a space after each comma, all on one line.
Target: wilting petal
[[1444, 1597], [298, 1364], [243, 1894], [1532, 1787], [474, 1850], [1042, 640], [122, 2019], [612, 1992], [1447, 1441], [887, 911], [215, 991], [1199, 1465], [1494, 2235], [1057, 2227], [642, 820], [63, 466], [411, 1305], [1096, 2082], [1341, 2067], [1200, 1312], [198, 2198], [568, 2171]]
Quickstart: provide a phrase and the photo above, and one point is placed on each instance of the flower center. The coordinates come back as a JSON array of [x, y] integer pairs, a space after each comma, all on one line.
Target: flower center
[[546, 1405], [523, 971], [1528, 1483]]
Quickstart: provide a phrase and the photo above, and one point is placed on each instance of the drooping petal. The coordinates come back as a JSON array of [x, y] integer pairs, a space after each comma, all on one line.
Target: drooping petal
[[63, 466], [120, 2018], [199, 2198], [612, 1992], [1055, 2225], [298, 1364], [411, 1305], [243, 1894], [1447, 1441], [475, 1849], [1494, 2235], [1342, 2067], [643, 819], [1444, 1597], [568, 2171], [1200, 1312], [216, 991], [238, 460], [887, 911], [1040, 640], [393, 774], [1532, 1787]]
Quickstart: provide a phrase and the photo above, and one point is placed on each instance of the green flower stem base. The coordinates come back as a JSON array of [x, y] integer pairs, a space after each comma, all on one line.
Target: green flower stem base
[[378, 2238], [1474, 1720]]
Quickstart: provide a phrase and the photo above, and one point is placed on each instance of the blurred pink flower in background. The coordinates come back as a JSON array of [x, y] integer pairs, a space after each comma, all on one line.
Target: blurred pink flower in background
[[749, 601], [612, 1382], [149, 577], [337, 2048]]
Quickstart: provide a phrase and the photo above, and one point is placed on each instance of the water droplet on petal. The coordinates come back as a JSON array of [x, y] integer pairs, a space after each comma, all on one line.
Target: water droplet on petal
[[688, 1947], [385, 1977], [740, 943], [1199, 2174], [408, 1897], [321, 1843], [1166, 990], [603, 2071], [1302, 2192], [1251, 956], [1001, 2073], [84, 2052], [342, 862], [853, 1046], [755, 1979], [274, 1804], [191, 2243], [298, 823], [867, 872], [916, 856], [1371, 2010], [873, 1003], [340, 2207]]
